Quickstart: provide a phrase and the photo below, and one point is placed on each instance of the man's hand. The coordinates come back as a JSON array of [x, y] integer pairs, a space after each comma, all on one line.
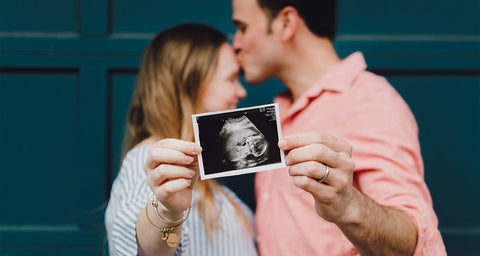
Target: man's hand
[[308, 154], [362, 220]]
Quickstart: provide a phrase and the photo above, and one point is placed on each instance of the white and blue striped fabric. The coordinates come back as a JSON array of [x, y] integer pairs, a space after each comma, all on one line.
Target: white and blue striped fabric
[[130, 193]]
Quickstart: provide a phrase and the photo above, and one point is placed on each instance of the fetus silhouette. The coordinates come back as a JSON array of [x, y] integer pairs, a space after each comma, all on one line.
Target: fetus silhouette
[[244, 145]]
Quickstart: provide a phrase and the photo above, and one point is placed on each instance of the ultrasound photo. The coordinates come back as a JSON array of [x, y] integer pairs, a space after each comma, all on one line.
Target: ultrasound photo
[[238, 141]]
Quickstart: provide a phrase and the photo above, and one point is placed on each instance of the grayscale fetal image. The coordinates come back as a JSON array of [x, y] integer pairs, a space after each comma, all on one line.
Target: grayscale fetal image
[[239, 140], [244, 144]]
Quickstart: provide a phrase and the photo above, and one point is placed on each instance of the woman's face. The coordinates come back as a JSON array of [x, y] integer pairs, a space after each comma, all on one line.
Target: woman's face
[[224, 89]]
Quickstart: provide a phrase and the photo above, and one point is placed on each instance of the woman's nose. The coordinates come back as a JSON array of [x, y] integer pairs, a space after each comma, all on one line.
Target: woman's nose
[[241, 92]]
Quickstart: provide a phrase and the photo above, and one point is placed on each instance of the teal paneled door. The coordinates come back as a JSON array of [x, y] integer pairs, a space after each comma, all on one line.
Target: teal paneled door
[[68, 68]]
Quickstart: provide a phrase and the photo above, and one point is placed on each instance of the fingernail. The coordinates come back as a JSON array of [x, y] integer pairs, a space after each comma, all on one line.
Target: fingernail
[[188, 159], [282, 143], [196, 149]]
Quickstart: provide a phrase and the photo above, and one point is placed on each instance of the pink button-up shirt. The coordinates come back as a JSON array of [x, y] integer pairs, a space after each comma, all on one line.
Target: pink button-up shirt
[[364, 109]]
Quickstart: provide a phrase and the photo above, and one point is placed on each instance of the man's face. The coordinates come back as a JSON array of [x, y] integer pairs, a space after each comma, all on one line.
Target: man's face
[[257, 49]]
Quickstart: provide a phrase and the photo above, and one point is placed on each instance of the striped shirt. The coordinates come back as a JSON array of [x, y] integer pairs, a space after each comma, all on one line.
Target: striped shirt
[[130, 193]]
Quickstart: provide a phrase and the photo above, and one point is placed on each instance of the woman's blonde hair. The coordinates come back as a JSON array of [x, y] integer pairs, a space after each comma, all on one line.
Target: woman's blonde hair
[[175, 68]]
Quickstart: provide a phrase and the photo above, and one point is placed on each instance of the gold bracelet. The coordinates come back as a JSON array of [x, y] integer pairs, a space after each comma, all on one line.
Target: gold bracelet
[[149, 220], [173, 223], [168, 232]]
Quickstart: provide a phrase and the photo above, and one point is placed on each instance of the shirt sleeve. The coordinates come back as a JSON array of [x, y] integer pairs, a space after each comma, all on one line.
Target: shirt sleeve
[[130, 193], [123, 207], [389, 165]]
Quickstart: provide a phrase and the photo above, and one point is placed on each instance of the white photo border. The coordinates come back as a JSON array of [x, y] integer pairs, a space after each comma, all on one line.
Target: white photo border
[[227, 173]]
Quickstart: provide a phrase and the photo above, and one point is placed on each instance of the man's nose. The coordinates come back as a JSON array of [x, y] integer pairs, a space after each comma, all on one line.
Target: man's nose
[[236, 43]]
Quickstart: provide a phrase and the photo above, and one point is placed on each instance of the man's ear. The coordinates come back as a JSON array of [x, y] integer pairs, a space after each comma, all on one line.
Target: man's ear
[[288, 20]]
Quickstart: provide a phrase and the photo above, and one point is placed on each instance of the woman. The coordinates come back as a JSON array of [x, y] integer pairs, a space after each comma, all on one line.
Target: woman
[[158, 206]]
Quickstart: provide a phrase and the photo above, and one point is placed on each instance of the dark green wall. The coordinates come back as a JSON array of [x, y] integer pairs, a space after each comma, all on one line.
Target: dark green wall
[[67, 69]]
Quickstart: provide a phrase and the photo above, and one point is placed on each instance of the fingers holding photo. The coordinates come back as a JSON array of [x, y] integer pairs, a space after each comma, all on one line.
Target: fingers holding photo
[[307, 138], [318, 147], [172, 169], [314, 152], [315, 170], [186, 147], [167, 172], [319, 163], [171, 151]]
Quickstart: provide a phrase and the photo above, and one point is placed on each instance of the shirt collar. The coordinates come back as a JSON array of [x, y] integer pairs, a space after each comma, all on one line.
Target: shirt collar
[[341, 76], [337, 79]]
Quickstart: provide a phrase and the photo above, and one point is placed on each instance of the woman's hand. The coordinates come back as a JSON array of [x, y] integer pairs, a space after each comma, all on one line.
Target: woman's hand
[[172, 170]]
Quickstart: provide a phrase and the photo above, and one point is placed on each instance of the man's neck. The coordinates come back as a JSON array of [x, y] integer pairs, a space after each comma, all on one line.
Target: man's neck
[[308, 62]]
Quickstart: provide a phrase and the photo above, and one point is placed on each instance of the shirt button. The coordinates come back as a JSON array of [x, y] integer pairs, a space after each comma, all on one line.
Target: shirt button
[[265, 196]]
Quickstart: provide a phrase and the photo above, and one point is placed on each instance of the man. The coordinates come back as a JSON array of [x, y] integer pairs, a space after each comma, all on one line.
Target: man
[[372, 201]]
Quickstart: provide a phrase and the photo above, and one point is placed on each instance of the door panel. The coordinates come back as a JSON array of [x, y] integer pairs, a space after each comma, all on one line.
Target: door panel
[[446, 106]]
